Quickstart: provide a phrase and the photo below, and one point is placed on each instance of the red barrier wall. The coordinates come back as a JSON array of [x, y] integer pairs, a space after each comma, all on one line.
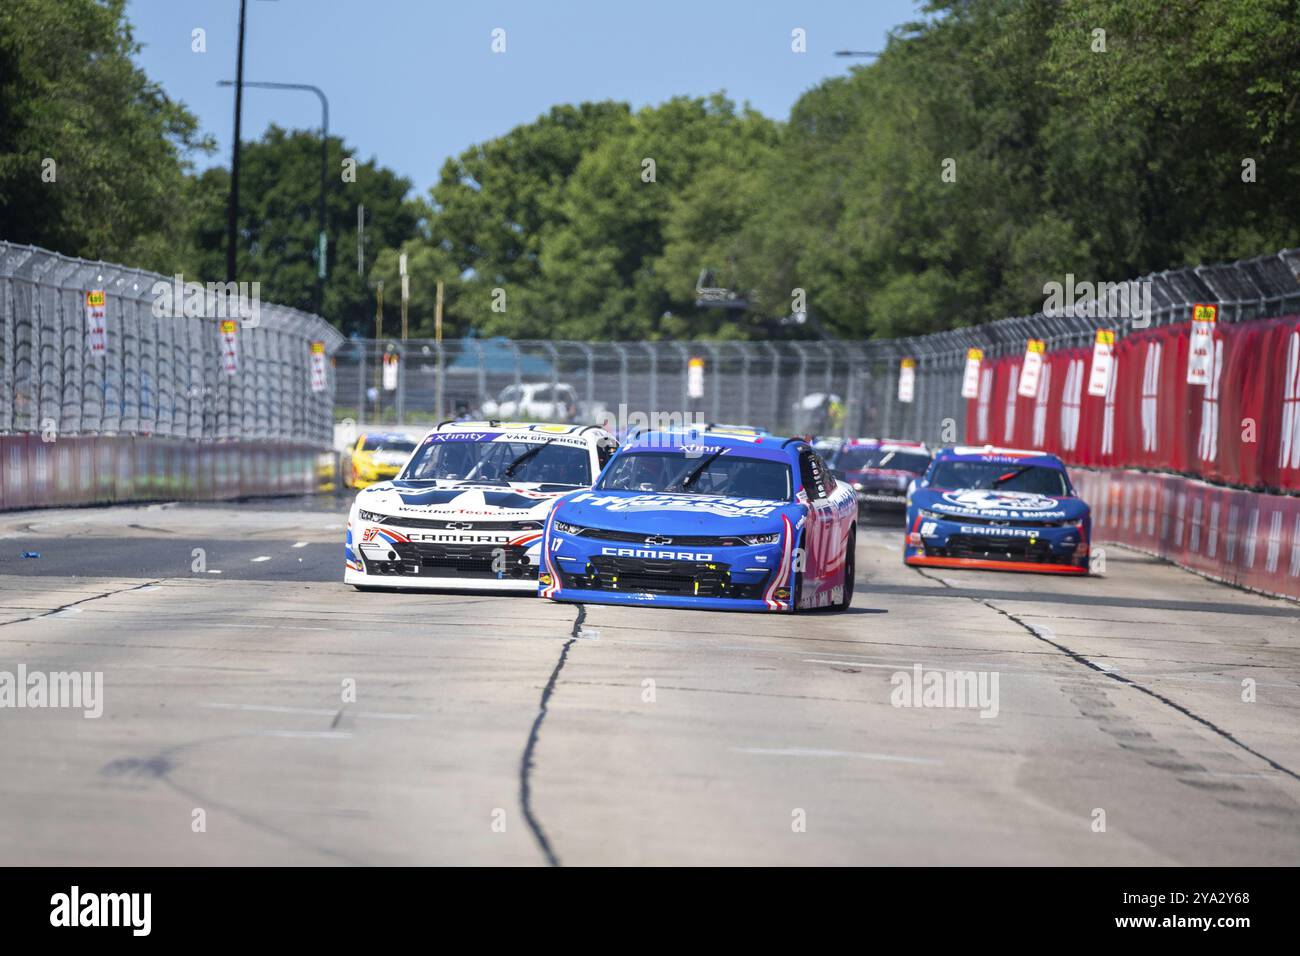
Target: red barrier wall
[[84, 470], [1242, 537], [1241, 429]]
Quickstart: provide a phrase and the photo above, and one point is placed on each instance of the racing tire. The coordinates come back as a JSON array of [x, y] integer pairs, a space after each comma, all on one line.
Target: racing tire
[[850, 571]]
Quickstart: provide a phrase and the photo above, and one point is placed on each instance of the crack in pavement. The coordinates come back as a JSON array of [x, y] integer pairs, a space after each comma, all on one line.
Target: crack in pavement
[[526, 762], [1078, 658], [64, 607]]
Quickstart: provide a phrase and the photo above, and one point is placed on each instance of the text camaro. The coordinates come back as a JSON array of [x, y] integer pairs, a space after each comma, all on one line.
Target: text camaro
[[731, 522], [999, 509], [468, 509]]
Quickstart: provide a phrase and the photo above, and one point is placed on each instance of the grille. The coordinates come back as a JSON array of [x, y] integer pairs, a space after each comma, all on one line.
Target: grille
[[686, 540], [455, 560], [995, 549], [441, 524], [683, 578], [1016, 522]]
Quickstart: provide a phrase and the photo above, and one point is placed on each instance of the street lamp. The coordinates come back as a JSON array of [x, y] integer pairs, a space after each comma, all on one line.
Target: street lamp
[[232, 208], [856, 53], [324, 170]]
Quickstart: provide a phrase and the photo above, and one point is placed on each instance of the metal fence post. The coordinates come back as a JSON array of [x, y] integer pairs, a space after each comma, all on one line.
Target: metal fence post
[[776, 387], [361, 382], [654, 380], [622, 376], [715, 360]]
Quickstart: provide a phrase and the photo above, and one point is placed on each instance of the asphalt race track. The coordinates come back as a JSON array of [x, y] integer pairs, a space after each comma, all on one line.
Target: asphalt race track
[[502, 730]]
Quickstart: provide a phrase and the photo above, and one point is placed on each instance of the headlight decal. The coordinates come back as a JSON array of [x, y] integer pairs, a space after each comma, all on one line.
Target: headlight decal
[[783, 572], [552, 525]]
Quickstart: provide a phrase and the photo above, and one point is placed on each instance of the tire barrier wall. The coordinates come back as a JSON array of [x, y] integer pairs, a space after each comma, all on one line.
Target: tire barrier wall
[[1244, 538], [89, 470]]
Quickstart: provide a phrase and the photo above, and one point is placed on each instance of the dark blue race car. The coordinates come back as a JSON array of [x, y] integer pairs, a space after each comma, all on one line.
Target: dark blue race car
[[997, 508], [702, 519]]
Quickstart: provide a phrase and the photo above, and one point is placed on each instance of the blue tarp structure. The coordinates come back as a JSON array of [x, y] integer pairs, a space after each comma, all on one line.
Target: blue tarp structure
[[497, 357]]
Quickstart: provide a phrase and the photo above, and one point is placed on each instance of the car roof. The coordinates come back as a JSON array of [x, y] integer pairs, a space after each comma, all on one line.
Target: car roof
[[993, 453], [721, 428], [889, 444], [594, 432], [754, 446]]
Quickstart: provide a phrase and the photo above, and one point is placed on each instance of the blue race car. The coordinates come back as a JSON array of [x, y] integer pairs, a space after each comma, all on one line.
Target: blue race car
[[997, 508], [705, 520]]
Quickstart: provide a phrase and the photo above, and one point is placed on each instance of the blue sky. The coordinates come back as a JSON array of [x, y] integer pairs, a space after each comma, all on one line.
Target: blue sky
[[412, 82]]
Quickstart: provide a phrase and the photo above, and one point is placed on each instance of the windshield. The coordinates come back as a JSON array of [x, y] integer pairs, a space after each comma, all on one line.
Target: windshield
[[550, 464], [727, 474], [403, 445], [1034, 479], [856, 459]]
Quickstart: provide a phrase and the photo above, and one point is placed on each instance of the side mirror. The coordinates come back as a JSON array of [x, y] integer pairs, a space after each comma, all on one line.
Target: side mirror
[[911, 487]]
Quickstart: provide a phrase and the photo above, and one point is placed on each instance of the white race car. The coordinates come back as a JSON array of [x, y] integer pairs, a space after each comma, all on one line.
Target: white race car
[[468, 508]]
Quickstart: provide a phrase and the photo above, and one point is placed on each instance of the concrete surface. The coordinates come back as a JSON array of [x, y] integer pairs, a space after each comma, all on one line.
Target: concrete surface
[[502, 730]]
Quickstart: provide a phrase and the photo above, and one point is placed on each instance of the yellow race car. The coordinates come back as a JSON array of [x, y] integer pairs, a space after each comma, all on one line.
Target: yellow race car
[[375, 457]]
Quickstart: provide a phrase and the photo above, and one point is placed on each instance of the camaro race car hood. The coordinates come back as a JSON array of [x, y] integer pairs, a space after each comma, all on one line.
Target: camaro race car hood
[[669, 514], [994, 504], [445, 497]]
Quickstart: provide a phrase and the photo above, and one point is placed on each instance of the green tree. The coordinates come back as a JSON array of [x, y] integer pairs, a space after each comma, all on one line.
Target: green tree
[[497, 204], [70, 93], [279, 194], [565, 217]]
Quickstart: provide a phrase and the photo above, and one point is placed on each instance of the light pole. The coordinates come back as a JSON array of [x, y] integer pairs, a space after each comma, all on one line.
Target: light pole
[[232, 209], [324, 169], [856, 53]]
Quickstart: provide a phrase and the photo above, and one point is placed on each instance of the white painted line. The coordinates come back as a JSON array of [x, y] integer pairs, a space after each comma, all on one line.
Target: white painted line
[[65, 612], [148, 587], [213, 572], [806, 752], [269, 709], [312, 711], [261, 557], [300, 544], [883, 667], [1221, 773], [260, 627], [894, 667]]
